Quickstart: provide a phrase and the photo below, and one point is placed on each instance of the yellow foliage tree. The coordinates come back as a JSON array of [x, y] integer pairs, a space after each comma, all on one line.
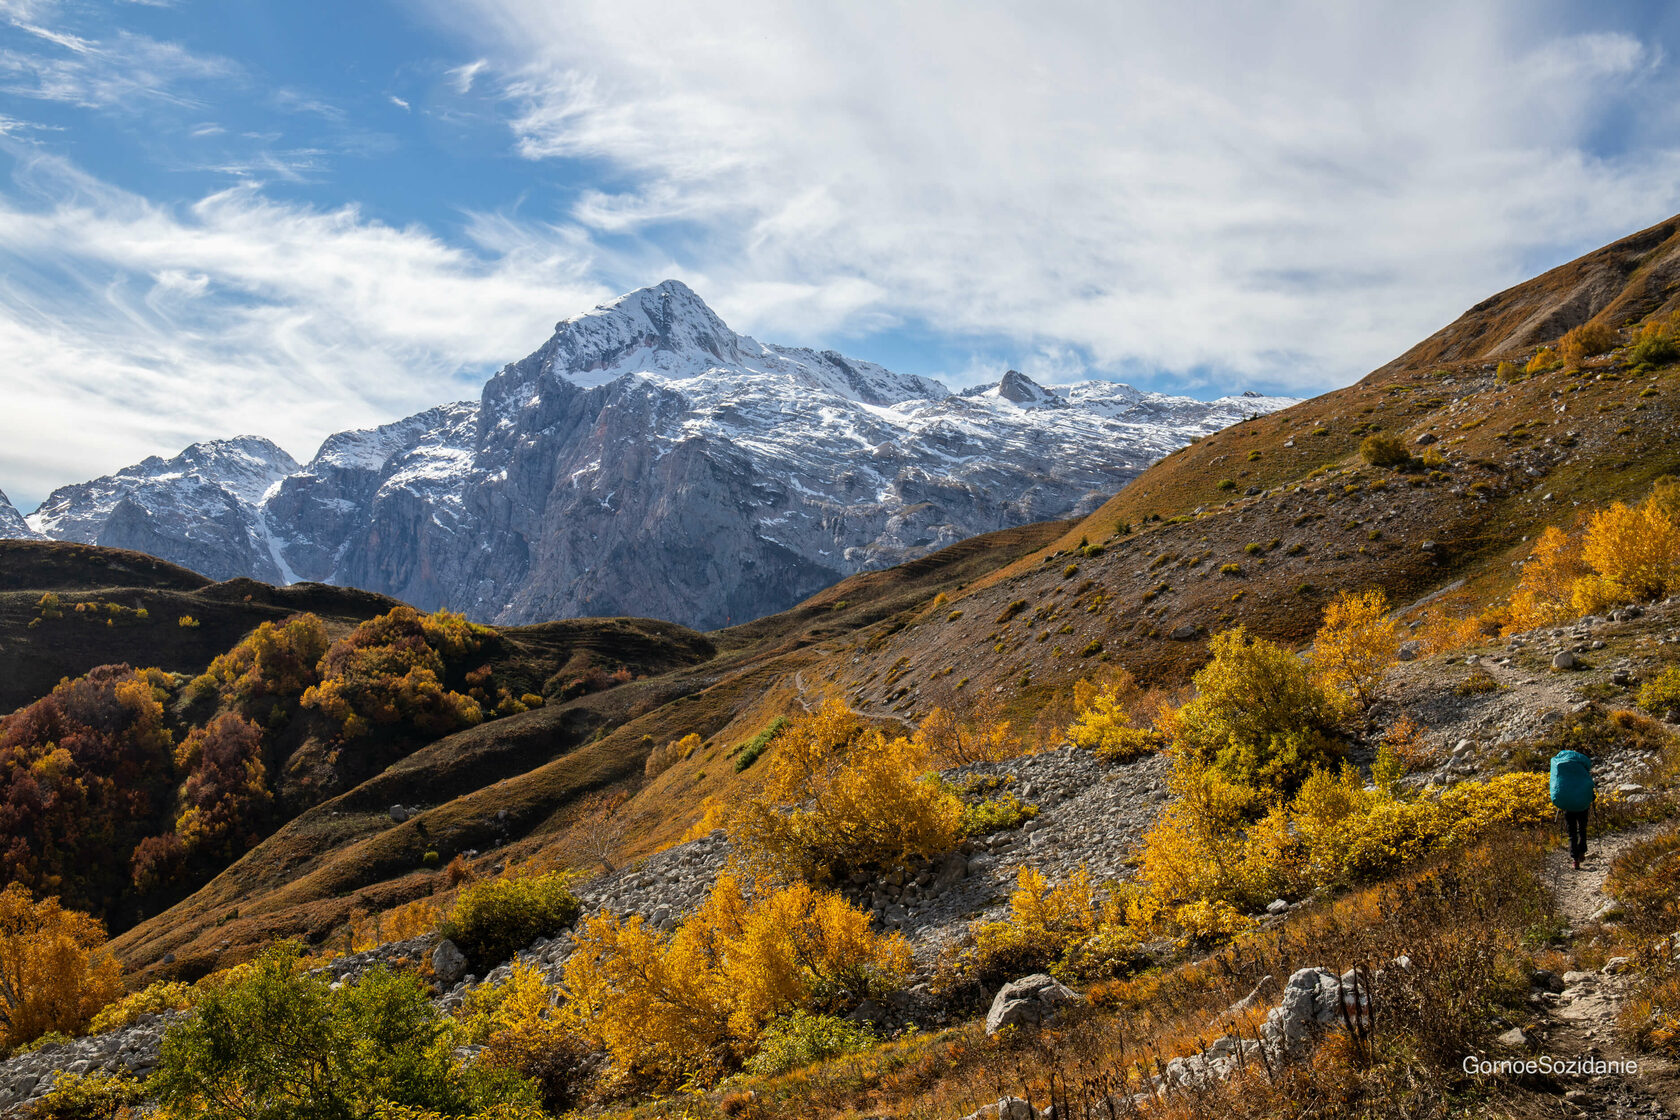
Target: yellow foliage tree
[[1634, 553], [1259, 715], [1546, 587], [1357, 645], [690, 1008], [1195, 850], [1107, 724], [54, 972], [836, 804], [1068, 928]]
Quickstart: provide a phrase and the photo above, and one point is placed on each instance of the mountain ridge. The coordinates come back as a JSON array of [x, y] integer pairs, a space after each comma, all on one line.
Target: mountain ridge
[[646, 459]]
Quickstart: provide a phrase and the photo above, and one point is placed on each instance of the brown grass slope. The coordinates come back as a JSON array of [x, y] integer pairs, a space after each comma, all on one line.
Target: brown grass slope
[[515, 787], [1286, 499]]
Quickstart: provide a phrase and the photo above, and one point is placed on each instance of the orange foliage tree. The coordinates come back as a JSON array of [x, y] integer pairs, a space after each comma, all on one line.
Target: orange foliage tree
[[54, 972], [84, 774]]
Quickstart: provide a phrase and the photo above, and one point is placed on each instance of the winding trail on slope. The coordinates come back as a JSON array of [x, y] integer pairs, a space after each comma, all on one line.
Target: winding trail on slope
[[1582, 1020], [799, 684]]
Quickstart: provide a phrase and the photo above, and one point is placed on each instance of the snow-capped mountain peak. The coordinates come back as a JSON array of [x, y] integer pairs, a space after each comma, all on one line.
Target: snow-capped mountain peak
[[12, 524], [646, 460]]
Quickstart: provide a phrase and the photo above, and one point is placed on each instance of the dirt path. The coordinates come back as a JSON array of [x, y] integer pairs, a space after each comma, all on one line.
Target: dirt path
[[1581, 1020], [865, 713]]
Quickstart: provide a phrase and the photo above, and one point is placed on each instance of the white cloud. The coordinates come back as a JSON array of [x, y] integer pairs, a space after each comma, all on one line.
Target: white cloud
[[399, 102], [129, 329], [462, 77], [1290, 192], [120, 73]]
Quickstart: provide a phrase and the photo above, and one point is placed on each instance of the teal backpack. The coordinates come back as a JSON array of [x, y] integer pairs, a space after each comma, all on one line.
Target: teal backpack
[[1572, 783]]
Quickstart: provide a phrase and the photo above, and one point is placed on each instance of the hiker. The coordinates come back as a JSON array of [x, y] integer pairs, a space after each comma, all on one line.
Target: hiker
[[1573, 793]]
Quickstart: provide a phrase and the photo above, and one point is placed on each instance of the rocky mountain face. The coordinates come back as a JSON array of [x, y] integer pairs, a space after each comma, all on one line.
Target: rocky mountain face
[[12, 524], [648, 461], [201, 509]]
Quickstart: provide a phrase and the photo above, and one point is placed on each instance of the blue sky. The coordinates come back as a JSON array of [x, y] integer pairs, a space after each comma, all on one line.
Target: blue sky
[[226, 216]]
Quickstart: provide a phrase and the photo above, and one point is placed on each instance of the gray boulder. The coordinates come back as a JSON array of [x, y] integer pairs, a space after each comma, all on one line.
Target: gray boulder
[[1029, 1002], [1312, 1001], [449, 964]]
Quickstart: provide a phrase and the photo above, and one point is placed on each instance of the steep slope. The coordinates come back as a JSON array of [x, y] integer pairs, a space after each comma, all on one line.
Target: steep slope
[[648, 460], [200, 508], [1262, 523]]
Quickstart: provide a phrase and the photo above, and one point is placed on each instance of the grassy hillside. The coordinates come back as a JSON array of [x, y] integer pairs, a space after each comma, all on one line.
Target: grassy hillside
[[1258, 525], [506, 789]]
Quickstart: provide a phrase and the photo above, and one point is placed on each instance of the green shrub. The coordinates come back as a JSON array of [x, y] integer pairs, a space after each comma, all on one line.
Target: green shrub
[[759, 743], [93, 1096], [803, 1038], [1384, 451], [494, 919], [996, 814], [1254, 548], [1662, 692], [1227, 484], [1230, 569], [275, 1042], [1070, 571], [430, 859]]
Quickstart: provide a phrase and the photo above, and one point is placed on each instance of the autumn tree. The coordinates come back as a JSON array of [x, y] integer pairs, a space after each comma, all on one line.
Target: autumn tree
[[983, 737], [1259, 716], [689, 1008], [226, 795], [1634, 553], [84, 774], [1356, 645], [1546, 585], [270, 668], [391, 671], [54, 971], [838, 804]]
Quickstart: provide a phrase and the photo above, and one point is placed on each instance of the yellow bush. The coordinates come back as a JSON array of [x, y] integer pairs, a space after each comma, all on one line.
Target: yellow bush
[[1356, 645], [154, 999], [689, 1008], [1634, 550], [1066, 929], [1259, 716], [400, 923], [661, 759], [1105, 725], [1545, 589], [55, 974], [1544, 361], [1586, 341], [1196, 849], [864, 801]]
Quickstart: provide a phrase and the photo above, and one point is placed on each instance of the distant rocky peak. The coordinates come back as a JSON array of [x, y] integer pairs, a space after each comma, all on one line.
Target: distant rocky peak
[[663, 328], [1024, 391], [12, 524]]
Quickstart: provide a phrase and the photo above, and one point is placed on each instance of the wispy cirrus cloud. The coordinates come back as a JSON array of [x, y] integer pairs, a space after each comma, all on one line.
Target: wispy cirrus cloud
[[1198, 192], [127, 327], [123, 72]]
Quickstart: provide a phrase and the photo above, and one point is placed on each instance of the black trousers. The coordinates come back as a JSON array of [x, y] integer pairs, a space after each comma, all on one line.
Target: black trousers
[[1577, 825]]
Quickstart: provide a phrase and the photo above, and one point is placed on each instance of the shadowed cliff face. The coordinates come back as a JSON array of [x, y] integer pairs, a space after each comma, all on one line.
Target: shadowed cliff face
[[649, 461]]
